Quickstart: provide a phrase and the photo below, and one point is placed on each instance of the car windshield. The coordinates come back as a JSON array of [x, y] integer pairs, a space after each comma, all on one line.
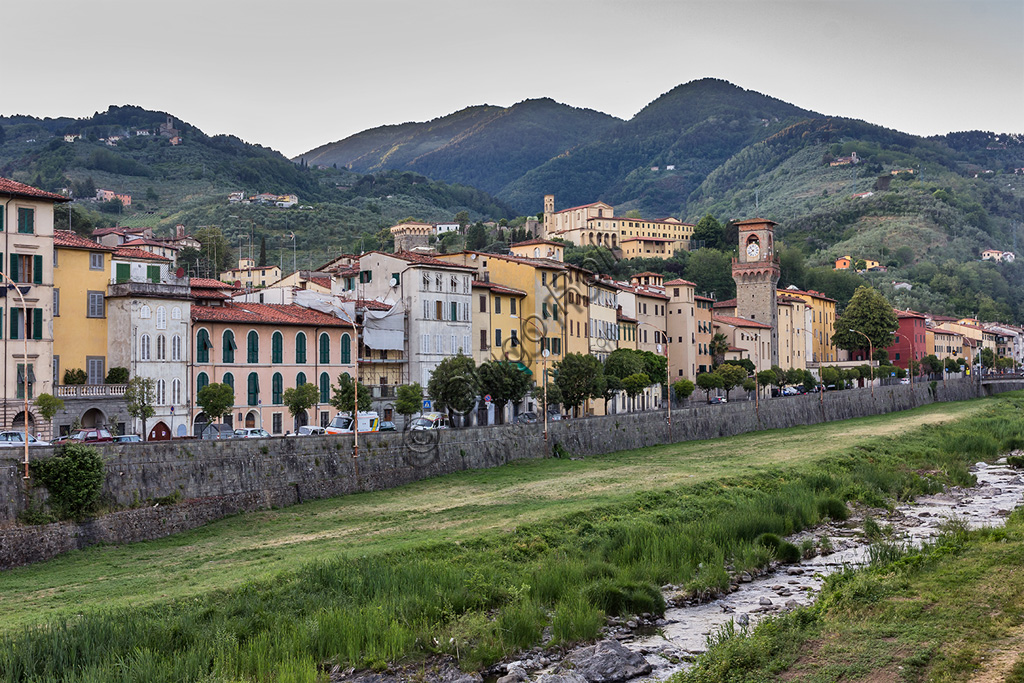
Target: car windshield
[[341, 422]]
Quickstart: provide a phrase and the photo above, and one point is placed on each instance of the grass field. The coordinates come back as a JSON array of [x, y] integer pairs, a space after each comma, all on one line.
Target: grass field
[[551, 543]]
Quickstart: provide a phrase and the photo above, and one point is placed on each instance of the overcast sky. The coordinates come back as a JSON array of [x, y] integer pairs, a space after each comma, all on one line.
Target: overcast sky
[[298, 74]]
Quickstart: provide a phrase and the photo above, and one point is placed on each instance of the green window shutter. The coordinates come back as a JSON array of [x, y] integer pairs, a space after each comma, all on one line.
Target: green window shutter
[[397, 277], [277, 348], [253, 347], [554, 311], [346, 349], [37, 269], [277, 387], [124, 272], [300, 379], [2, 215], [544, 310], [325, 387], [1, 323], [153, 274], [14, 323], [229, 379], [37, 323], [455, 311], [325, 349], [14, 267], [26, 221], [300, 347]]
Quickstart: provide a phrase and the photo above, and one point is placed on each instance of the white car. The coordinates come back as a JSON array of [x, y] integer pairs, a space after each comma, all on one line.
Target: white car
[[310, 431], [16, 439], [252, 433]]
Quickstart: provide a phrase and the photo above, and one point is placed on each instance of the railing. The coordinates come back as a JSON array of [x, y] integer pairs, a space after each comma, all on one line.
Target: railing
[[90, 390], [383, 390]]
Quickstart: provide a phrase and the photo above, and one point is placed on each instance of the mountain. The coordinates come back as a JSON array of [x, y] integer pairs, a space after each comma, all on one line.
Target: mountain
[[487, 147]]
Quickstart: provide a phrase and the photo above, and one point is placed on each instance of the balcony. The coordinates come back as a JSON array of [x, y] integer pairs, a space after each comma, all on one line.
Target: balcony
[[90, 390], [178, 289]]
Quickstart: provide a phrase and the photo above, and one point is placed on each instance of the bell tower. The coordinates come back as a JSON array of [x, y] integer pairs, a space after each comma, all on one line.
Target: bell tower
[[756, 273]]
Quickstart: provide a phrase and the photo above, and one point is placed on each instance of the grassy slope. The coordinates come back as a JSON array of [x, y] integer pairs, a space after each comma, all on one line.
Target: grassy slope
[[459, 507]]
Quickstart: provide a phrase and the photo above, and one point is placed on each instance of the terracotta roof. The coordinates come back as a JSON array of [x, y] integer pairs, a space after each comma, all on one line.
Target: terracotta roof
[[680, 281], [625, 318], [72, 240], [13, 187], [736, 348], [98, 232], [139, 242], [788, 298], [536, 262], [530, 243], [267, 314], [424, 260], [373, 305], [645, 290], [210, 283], [728, 303], [648, 273], [131, 252], [754, 221], [200, 293], [809, 292], [583, 206], [702, 297], [739, 322], [498, 289], [324, 282], [907, 314]]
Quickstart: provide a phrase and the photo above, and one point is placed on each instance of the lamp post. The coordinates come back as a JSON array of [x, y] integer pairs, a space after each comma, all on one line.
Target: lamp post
[[871, 355], [544, 370], [355, 379], [668, 365], [24, 373], [910, 369]]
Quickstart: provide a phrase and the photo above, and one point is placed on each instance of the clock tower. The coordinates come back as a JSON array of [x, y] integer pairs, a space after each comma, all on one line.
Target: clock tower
[[756, 273]]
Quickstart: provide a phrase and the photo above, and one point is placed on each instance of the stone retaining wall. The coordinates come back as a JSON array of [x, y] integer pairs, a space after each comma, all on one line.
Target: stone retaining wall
[[220, 478]]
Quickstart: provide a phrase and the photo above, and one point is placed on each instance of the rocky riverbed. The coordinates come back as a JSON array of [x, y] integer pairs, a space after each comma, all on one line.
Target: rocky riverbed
[[652, 648]]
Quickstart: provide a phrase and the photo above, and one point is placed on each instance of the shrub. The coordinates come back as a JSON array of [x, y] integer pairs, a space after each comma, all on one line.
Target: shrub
[[617, 597], [75, 376], [833, 508], [575, 620], [117, 376], [74, 478], [785, 552]]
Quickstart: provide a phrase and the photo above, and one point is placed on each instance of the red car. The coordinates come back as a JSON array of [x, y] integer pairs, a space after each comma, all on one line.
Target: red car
[[86, 436]]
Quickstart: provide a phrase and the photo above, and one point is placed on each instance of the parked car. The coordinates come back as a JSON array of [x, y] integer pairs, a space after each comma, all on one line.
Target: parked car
[[527, 418], [718, 399], [369, 421], [430, 421], [387, 426], [554, 416], [128, 438], [218, 431], [86, 436], [309, 430], [251, 433], [17, 439]]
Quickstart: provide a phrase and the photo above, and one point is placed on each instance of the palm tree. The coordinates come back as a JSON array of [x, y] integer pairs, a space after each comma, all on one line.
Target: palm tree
[[718, 347]]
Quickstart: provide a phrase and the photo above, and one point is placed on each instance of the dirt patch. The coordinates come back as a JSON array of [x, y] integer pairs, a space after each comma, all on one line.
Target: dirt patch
[[1001, 658]]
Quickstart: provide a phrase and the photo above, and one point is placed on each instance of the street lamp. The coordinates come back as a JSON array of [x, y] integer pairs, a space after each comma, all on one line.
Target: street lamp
[[668, 366], [24, 358], [355, 379], [871, 355], [910, 368]]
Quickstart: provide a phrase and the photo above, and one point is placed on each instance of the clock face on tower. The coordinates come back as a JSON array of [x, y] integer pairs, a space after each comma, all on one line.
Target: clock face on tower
[[753, 250]]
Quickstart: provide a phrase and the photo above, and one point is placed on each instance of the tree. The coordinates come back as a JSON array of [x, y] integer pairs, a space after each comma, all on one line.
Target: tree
[[462, 218], [300, 399], [766, 378], [682, 389], [732, 377], [711, 270], [708, 382], [216, 400], [931, 364], [48, 406], [953, 365], [870, 314], [504, 382], [117, 375], [809, 382], [409, 400], [718, 347], [749, 384], [655, 367], [139, 396], [744, 363], [612, 386], [830, 377], [344, 395], [554, 396], [621, 363], [795, 376], [454, 385], [476, 237], [263, 252], [634, 385], [709, 231], [579, 377], [987, 357]]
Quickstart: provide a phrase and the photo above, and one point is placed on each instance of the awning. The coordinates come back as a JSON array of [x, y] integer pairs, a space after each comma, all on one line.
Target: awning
[[521, 366]]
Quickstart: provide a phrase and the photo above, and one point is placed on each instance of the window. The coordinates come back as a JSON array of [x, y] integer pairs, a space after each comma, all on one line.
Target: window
[[556, 345], [544, 310], [325, 349], [253, 386], [252, 347], [56, 302], [438, 344], [346, 349], [483, 303], [300, 347], [543, 279], [554, 311], [95, 261], [512, 305], [161, 318], [122, 272], [228, 347], [276, 388], [176, 347], [426, 282], [229, 379], [176, 313], [455, 344], [26, 268], [94, 369], [203, 346], [277, 348], [161, 393], [95, 305], [31, 377], [276, 422], [325, 388], [202, 379], [145, 312], [497, 338], [55, 251], [455, 311], [153, 274], [514, 337], [483, 339], [144, 348], [300, 379], [424, 343], [497, 305], [26, 220], [161, 347], [176, 392], [438, 310]]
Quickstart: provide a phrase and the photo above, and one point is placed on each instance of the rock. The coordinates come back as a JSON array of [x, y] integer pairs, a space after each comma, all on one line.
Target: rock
[[745, 578], [764, 601], [516, 674], [794, 571], [631, 623], [606, 662], [562, 678], [792, 603], [742, 619]]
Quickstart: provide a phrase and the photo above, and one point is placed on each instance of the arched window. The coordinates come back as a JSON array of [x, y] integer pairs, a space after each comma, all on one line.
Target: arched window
[[176, 347], [145, 312], [346, 349], [228, 350], [144, 350], [277, 348], [176, 392], [252, 344], [325, 387], [254, 389], [300, 348], [175, 313], [161, 318], [325, 349], [300, 379], [277, 388], [203, 346], [161, 347], [202, 379], [229, 379], [161, 392]]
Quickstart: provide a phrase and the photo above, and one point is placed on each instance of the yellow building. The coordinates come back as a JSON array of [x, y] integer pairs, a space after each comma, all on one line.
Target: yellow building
[[945, 343], [81, 273], [496, 322], [251, 276], [795, 340], [822, 319]]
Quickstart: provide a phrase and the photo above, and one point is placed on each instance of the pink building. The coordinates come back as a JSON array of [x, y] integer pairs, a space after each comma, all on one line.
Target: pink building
[[911, 339], [263, 349]]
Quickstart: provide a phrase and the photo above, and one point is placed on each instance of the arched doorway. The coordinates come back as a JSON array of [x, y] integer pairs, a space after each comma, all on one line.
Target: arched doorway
[[199, 424], [301, 420], [250, 419], [159, 432], [94, 417], [19, 423]]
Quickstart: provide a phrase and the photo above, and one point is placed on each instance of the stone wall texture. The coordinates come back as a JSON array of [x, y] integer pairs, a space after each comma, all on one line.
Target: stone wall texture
[[214, 479]]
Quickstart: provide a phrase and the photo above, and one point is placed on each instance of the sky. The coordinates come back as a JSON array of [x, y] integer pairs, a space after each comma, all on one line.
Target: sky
[[295, 75]]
